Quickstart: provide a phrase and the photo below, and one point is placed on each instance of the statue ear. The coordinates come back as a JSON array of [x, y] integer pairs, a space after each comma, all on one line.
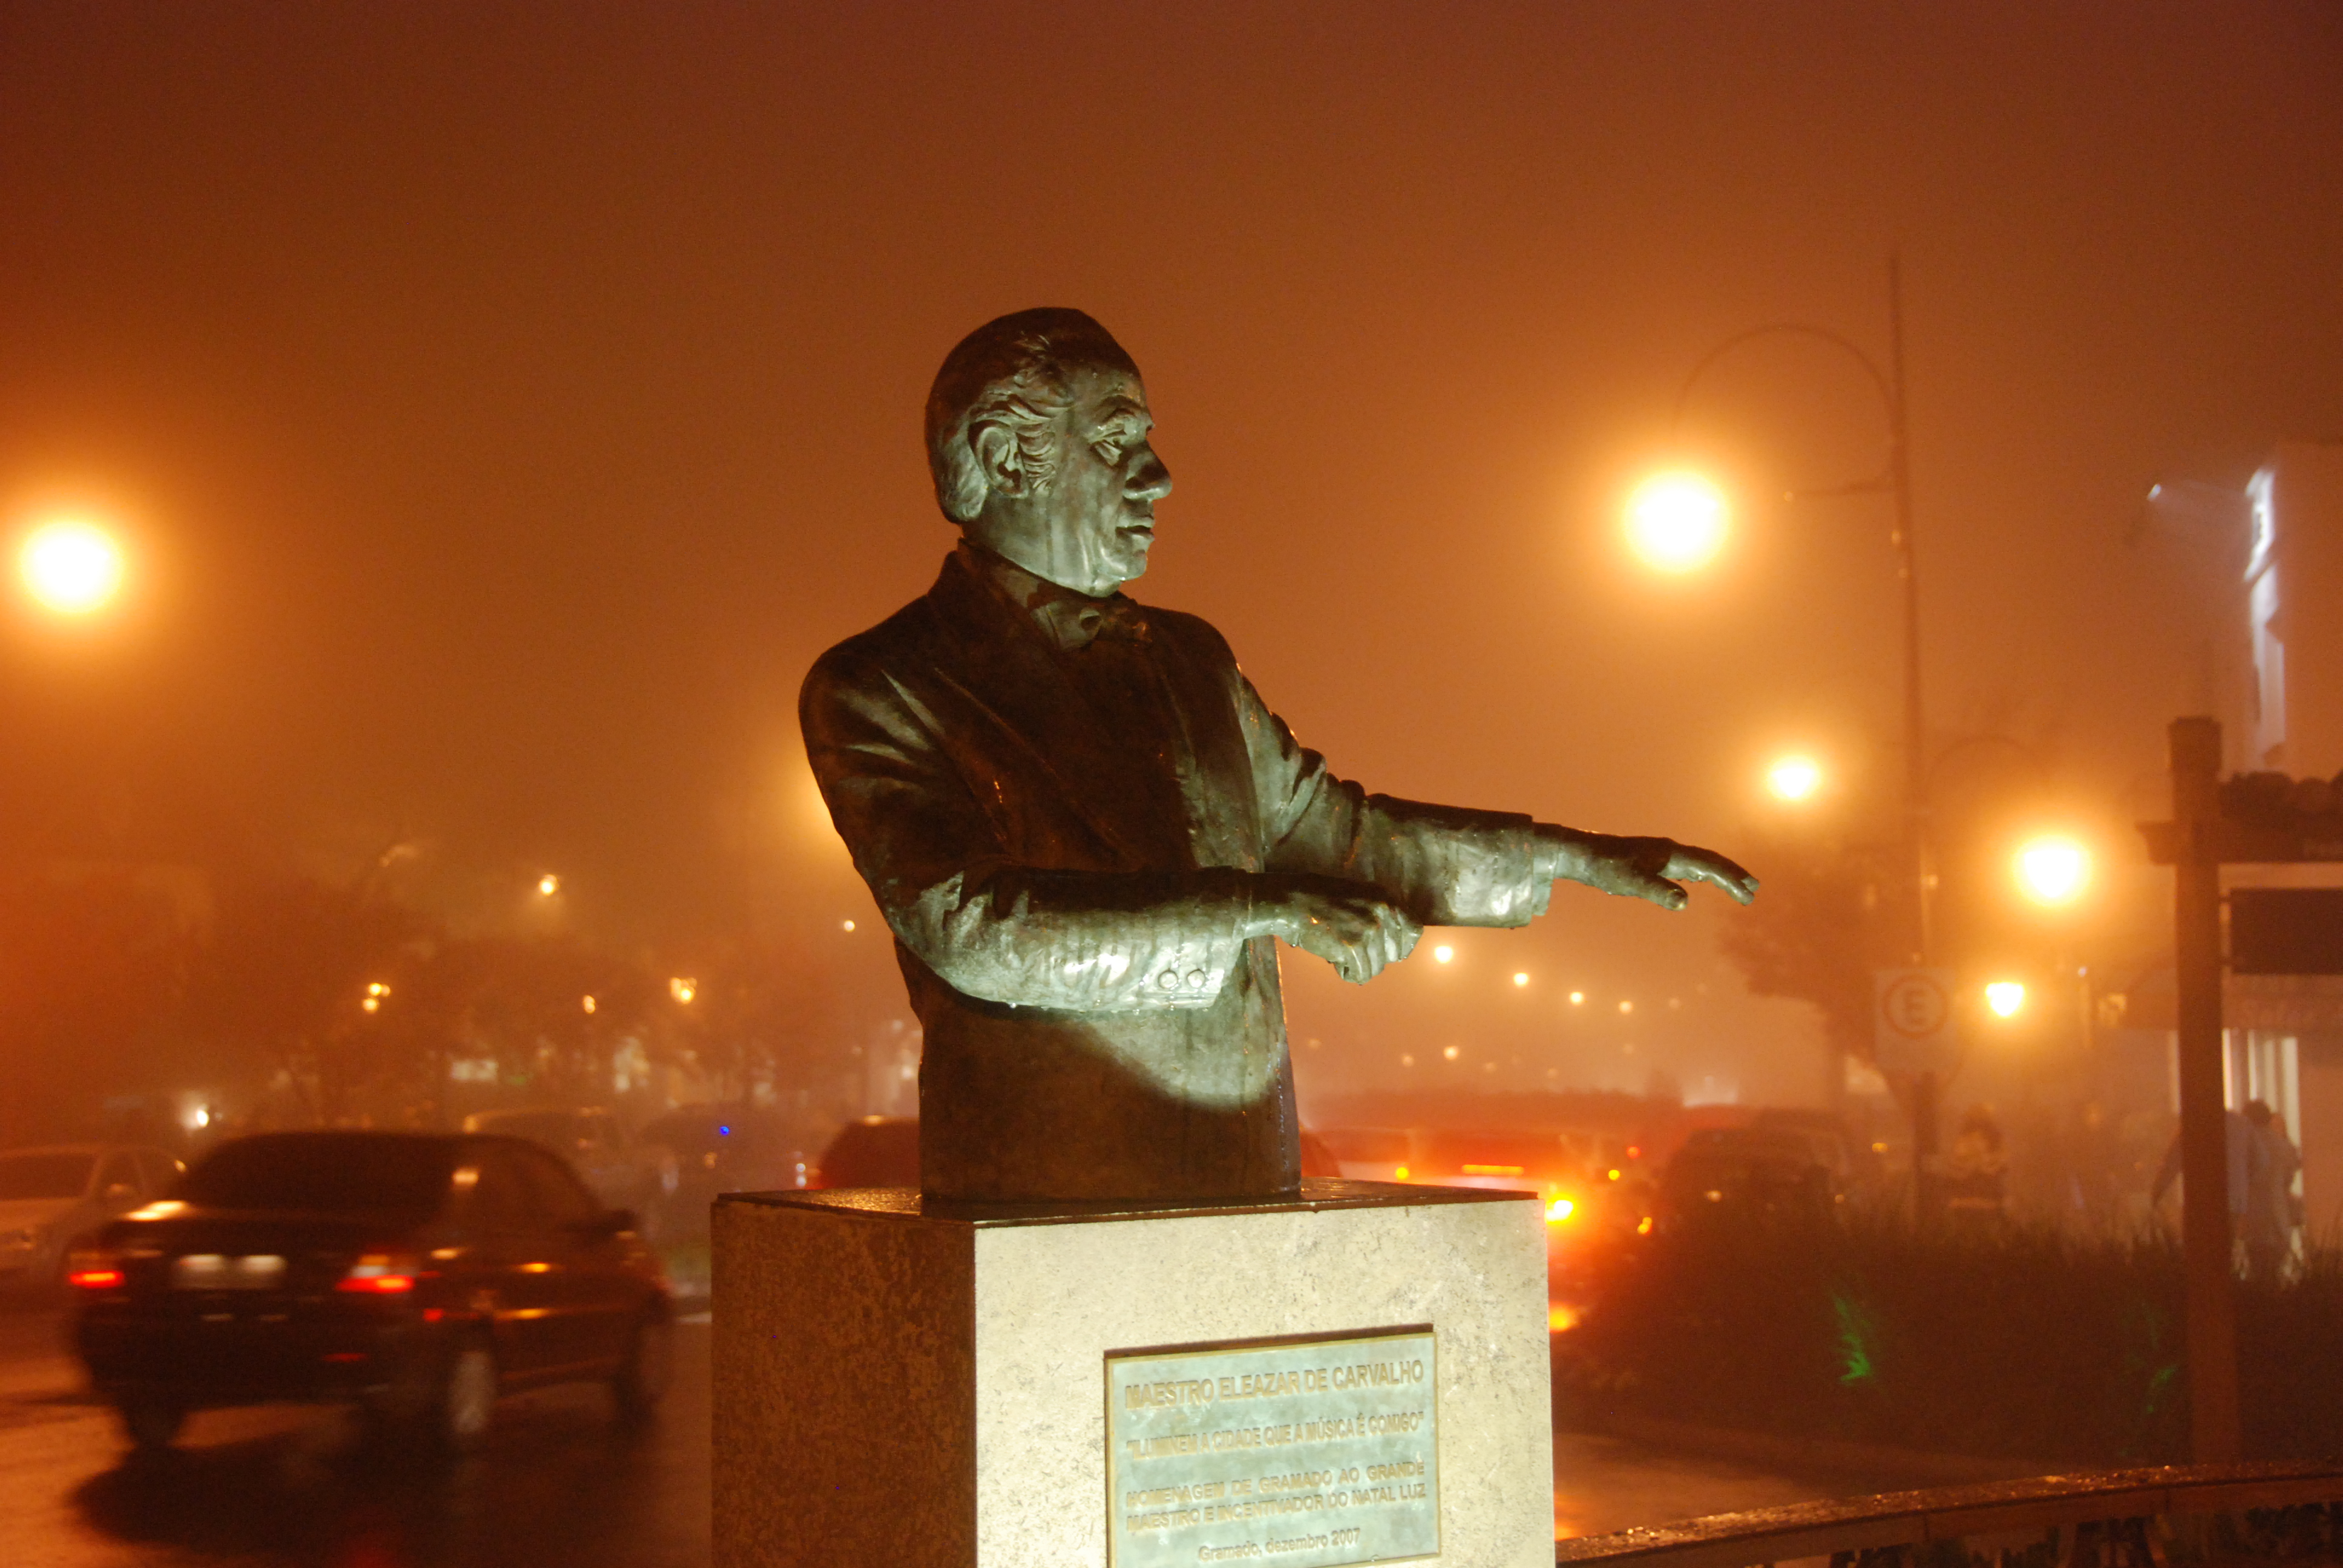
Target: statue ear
[[999, 459]]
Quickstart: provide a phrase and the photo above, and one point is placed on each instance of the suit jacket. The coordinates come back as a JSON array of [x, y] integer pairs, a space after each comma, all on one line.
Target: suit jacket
[[1068, 885]]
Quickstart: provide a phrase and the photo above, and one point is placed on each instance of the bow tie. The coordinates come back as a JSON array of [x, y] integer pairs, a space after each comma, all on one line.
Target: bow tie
[[1073, 622]]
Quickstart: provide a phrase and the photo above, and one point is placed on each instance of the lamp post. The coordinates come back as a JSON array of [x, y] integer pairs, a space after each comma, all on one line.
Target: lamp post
[[1895, 481]]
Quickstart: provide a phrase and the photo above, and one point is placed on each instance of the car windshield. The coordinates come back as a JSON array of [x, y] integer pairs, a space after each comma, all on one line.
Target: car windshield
[[44, 1175], [325, 1173]]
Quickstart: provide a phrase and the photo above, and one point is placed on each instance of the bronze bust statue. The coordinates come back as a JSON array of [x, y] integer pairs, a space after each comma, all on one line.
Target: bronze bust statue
[[1085, 828]]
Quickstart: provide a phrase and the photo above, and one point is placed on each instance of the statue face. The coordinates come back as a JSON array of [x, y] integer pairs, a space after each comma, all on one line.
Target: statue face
[[1088, 524]]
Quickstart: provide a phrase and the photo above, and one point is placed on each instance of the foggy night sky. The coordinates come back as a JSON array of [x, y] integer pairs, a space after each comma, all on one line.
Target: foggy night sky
[[506, 403]]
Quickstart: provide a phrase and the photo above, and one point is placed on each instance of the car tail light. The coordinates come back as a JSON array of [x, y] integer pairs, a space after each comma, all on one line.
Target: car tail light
[[94, 1271], [382, 1274]]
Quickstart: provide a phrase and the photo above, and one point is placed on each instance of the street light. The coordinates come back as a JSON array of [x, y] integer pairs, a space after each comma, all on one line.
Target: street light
[[1794, 778], [2006, 998], [71, 567], [1895, 481], [2054, 869], [548, 885], [1676, 521]]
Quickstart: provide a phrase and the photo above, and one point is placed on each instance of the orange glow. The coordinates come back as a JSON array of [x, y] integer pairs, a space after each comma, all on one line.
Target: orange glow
[[1643, 1226], [1400, 1174], [1493, 1170], [2054, 870], [71, 567], [1521, 979], [1794, 777], [1676, 522], [1559, 1319], [1558, 1211], [380, 1275], [683, 990]]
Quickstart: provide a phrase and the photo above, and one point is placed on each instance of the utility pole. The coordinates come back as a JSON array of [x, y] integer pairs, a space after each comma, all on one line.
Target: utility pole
[[1915, 735], [2214, 1430]]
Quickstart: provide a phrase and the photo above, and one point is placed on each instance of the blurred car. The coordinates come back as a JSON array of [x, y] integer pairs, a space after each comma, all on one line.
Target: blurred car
[[624, 1173], [719, 1148], [875, 1152], [1317, 1159], [50, 1196], [419, 1274], [1737, 1175], [1370, 1153]]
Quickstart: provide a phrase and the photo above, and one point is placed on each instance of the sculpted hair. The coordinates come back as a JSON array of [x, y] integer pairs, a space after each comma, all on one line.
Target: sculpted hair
[[1014, 370]]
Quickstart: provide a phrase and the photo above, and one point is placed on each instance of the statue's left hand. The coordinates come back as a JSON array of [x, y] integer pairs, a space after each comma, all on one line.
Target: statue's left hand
[[1655, 870]]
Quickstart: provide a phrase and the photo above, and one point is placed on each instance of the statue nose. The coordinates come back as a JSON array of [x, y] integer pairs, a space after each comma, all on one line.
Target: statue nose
[[1151, 481]]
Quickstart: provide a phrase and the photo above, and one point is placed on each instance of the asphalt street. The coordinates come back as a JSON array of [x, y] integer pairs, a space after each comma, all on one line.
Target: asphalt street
[[559, 1480]]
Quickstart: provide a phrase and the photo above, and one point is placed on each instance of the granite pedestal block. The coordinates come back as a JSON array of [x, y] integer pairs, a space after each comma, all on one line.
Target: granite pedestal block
[[1358, 1375]]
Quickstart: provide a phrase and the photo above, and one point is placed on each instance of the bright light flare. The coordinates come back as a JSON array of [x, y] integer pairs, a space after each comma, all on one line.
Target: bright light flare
[[71, 567], [1560, 1210], [2054, 870], [1676, 522], [2006, 998], [1794, 778], [548, 885], [683, 990], [1443, 954], [1520, 979]]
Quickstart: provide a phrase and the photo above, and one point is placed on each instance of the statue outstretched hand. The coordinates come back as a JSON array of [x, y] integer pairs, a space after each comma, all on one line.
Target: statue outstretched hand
[[1351, 925], [1652, 869]]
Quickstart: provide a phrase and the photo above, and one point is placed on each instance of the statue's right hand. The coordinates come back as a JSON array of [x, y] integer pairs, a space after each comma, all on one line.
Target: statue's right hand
[[1349, 925]]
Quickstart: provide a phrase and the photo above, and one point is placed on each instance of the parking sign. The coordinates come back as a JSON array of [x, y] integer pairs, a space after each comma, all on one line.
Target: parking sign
[[1912, 1022]]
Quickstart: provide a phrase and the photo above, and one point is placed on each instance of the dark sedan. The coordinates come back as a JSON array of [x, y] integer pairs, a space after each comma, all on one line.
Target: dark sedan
[[420, 1275]]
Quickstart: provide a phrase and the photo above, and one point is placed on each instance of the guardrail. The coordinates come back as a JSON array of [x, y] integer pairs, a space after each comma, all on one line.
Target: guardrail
[[2147, 1517]]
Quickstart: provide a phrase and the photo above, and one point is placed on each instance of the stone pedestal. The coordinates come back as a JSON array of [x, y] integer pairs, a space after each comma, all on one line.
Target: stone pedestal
[[1356, 1375]]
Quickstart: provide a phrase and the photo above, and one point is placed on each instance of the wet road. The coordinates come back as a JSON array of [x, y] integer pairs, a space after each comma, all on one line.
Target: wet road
[[559, 1482]]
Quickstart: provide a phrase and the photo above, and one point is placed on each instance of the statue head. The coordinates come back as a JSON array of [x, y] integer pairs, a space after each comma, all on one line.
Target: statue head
[[1037, 441]]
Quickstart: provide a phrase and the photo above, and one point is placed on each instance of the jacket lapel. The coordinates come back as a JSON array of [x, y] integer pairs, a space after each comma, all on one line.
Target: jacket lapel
[[1005, 669]]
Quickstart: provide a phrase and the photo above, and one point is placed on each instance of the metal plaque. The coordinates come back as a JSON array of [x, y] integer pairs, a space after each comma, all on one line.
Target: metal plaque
[[1307, 1453]]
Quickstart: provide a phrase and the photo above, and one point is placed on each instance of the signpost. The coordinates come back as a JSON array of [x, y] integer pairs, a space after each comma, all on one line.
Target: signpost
[[1913, 1033], [2211, 827]]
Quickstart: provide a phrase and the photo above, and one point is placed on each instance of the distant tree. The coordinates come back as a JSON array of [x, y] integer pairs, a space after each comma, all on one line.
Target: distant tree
[[1831, 914], [93, 966], [282, 982]]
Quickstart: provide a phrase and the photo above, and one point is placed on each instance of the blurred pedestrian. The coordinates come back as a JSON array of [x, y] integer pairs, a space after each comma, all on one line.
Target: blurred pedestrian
[[2248, 1163], [2268, 1226], [1977, 1172]]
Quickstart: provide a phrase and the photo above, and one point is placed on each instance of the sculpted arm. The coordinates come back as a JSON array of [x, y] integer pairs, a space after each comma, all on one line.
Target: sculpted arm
[[1447, 865], [1079, 941]]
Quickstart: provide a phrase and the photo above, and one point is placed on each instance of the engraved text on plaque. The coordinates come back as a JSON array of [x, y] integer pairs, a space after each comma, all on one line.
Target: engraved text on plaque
[[1309, 1452]]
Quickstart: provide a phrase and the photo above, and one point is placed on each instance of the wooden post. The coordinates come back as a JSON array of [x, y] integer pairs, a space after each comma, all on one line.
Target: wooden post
[[2204, 1136]]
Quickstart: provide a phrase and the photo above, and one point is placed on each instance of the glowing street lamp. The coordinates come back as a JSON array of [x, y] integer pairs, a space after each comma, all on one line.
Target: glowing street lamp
[[2006, 998], [1794, 778], [1676, 521], [548, 885], [1442, 954], [71, 567], [683, 990], [2054, 869]]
